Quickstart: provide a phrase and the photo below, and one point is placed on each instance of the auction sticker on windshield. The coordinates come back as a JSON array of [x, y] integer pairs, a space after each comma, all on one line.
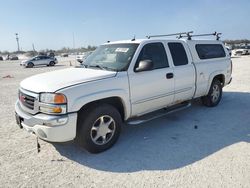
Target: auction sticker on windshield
[[124, 50]]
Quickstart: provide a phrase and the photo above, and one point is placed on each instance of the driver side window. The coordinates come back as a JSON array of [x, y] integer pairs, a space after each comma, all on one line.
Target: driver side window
[[156, 53]]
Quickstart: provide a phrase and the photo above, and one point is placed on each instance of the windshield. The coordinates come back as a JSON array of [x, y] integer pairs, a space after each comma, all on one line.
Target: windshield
[[114, 57]]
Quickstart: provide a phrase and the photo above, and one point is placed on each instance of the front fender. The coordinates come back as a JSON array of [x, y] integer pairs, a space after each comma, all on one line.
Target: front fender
[[85, 99]]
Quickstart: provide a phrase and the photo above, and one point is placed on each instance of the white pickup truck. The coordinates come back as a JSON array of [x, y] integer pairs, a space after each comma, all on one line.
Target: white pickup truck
[[129, 81]]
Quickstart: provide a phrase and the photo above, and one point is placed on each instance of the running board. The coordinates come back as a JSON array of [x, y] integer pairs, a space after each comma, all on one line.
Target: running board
[[157, 114]]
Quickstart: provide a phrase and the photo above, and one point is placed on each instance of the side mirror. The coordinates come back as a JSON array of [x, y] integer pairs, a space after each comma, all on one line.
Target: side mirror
[[144, 65]]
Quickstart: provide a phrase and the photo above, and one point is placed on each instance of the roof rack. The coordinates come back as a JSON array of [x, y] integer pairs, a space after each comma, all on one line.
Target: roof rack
[[216, 34], [168, 35], [188, 35]]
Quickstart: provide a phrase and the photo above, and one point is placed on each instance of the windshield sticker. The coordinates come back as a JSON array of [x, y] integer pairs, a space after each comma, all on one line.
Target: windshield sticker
[[124, 50]]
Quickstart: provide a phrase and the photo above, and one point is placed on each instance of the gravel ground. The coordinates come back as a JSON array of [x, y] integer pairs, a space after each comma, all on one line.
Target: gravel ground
[[167, 152]]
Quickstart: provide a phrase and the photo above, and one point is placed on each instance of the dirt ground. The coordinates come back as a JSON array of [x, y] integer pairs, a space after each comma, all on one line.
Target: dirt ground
[[167, 152]]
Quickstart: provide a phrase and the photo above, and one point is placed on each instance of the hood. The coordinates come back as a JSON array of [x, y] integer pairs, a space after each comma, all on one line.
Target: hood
[[55, 80], [24, 61]]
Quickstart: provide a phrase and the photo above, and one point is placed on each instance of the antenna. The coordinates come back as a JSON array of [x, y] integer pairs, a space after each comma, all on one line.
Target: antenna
[[133, 39], [168, 35]]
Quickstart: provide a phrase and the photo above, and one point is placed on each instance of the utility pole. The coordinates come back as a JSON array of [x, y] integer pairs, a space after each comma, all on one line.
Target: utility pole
[[33, 47], [73, 41], [74, 52], [17, 40]]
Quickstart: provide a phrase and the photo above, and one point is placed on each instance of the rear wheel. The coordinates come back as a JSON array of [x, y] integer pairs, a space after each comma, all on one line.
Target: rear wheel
[[214, 95], [98, 128], [52, 63], [30, 65]]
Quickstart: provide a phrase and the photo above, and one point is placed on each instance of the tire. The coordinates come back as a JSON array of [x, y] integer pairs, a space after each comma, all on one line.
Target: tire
[[92, 133], [214, 95], [30, 65], [52, 63]]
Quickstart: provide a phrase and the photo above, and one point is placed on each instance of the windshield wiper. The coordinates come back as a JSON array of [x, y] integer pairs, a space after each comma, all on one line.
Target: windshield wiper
[[101, 67], [96, 66]]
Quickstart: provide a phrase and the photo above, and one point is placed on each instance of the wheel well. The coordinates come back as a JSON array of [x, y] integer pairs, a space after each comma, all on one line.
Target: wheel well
[[114, 101], [221, 78]]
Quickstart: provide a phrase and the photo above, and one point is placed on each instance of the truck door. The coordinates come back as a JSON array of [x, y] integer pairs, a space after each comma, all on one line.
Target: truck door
[[184, 71], [154, 89]]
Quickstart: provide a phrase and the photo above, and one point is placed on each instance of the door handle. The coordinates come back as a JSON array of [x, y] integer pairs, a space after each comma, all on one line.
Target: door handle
[[169, 75]]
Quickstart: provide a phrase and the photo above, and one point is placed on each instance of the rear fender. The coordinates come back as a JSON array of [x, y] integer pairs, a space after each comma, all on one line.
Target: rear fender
[[211, 77]]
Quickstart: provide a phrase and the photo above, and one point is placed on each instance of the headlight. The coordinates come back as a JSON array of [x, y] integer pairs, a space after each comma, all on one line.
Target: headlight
[[53, 98], [53, 103], [53, 109]]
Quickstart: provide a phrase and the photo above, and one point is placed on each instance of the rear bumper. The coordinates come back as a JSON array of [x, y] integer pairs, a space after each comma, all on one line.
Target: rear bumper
[[48, 127]]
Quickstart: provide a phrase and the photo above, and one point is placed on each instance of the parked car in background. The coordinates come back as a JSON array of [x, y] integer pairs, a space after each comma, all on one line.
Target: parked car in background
[[244, 50], [65, 55], [1, 58], [12, 57], [39, 60], [80, 58], [51, 54]]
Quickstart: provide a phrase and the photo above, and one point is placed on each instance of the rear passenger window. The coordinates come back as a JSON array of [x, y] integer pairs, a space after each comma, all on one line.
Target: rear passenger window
[[156, 53], [210, 51], [178, 53]]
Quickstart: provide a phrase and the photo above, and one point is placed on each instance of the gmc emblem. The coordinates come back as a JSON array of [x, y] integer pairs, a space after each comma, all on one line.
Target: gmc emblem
[[22, 98]]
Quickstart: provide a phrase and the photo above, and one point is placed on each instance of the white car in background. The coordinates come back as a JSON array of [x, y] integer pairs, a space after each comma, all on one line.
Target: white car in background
[[39, 60], [83, 56], [243, 50]]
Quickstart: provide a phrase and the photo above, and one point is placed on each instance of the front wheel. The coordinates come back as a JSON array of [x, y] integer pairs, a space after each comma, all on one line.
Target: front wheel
[[99, 128], [30, 65], [52, 63], [214, 95]]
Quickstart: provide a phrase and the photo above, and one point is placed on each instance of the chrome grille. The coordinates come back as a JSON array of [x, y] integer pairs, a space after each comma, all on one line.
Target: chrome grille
[[26, 100]]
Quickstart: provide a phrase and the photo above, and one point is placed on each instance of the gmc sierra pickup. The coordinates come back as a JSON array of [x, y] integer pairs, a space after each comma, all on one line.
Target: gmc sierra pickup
[[129, 81]]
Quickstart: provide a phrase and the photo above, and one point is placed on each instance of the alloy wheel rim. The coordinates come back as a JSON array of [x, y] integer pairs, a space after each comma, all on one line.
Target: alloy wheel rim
[[215, 94], [103, 130]]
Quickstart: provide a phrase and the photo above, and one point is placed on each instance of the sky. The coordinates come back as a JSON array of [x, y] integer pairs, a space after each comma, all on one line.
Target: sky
[[52, 24]]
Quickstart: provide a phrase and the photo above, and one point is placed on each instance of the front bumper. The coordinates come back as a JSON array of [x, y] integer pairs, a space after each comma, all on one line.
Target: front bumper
[[60, 128], [23, 64]]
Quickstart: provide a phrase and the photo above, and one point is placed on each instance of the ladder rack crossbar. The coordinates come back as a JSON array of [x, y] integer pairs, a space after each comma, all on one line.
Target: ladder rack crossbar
[[202, 35], [168, 35], [187, 35]]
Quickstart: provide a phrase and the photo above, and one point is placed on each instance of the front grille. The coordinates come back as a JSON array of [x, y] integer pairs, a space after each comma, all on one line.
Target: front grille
[[26, 100]]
